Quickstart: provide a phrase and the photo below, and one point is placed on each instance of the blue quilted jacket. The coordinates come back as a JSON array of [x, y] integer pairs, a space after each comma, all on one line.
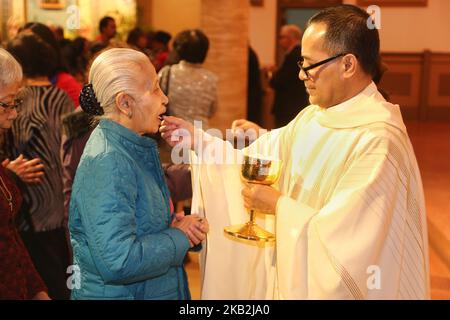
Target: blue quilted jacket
[[119, 221]]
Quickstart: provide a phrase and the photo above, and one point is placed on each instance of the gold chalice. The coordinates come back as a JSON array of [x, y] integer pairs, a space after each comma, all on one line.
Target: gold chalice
[[258, 171]]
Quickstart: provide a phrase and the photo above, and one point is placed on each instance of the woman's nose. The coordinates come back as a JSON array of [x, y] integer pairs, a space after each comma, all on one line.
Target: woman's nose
[[165, 99], [13, 114]]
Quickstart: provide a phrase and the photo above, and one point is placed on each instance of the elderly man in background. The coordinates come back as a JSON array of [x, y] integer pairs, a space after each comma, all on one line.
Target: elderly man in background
[[290, 93]]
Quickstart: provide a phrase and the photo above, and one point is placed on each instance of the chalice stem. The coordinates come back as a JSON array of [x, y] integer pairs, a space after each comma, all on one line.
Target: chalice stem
[[252, 217]]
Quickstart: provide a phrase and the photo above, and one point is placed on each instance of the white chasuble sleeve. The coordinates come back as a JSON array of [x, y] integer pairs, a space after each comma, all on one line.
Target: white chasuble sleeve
[[365, 242]]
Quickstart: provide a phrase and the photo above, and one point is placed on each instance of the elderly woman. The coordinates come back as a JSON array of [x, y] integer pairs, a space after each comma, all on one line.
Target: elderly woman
[[18, 277], [126, 242]]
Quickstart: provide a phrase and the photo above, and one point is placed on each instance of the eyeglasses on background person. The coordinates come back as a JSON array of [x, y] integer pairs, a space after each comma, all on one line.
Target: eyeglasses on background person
[[10, 106]]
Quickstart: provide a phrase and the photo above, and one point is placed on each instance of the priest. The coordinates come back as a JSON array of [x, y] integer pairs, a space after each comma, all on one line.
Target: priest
[[348, 210]]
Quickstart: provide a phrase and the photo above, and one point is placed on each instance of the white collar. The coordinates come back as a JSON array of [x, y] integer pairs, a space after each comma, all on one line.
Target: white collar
[[365, 108], [368, 91]]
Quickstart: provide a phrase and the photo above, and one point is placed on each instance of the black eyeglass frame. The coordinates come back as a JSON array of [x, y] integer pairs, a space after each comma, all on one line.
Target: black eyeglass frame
[[16, 103], [317, 64]]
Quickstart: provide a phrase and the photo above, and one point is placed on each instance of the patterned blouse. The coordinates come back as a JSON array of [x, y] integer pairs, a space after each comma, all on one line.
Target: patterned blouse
[[36, 133]]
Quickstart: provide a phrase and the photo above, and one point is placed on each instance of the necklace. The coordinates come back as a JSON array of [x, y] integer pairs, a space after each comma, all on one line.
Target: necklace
[[6, 193]]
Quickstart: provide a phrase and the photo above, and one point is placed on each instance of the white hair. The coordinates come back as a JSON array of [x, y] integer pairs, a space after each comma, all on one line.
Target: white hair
[[10, 69], [115, 71]]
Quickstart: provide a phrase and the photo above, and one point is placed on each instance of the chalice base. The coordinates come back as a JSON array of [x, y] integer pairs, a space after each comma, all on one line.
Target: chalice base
[[250, 231]]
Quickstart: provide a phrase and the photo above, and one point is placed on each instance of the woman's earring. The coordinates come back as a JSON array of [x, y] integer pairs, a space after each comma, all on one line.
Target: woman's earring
[[130, 114]]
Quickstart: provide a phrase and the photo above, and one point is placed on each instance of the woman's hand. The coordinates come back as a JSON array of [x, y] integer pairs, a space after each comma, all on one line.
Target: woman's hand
[[194, 227], [260, 198], [175, 130], [29, 171]]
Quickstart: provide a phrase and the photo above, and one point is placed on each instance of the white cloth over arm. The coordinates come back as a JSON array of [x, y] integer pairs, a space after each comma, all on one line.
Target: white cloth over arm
[[231, 268]]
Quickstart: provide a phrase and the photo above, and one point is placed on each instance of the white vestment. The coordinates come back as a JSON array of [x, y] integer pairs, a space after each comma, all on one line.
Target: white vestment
[[351, 223]]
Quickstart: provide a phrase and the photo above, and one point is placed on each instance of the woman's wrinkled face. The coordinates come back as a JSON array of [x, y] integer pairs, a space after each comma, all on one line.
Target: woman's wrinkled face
[[8, 113], [151, 104]]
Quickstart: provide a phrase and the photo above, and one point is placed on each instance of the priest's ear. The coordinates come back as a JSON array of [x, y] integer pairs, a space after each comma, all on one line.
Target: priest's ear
[[349, 65]]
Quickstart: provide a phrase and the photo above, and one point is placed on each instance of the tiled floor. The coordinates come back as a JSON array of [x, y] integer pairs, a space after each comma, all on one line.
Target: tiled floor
[[431, 143]]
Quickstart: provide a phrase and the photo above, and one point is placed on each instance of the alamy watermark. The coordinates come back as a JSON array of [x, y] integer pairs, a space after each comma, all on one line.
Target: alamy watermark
[[73, 22], [74, 280], [374, 21], [209, 149], [374, 279]]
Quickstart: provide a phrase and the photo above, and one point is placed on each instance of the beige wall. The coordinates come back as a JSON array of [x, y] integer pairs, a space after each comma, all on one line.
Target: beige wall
[[415, 29], [262, 31], [174, 16]]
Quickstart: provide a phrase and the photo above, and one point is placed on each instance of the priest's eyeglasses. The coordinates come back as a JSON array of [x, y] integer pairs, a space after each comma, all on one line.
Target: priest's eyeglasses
[[11, 106], [318, 64]]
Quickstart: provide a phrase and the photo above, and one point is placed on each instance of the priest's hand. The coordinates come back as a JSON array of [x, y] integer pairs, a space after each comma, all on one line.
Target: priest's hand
[[243, 124], [242, 128], [175, 130], [260, 198]]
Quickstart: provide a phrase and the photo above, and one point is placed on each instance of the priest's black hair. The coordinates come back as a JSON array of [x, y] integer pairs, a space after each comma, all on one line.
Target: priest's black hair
[[349, 31]]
